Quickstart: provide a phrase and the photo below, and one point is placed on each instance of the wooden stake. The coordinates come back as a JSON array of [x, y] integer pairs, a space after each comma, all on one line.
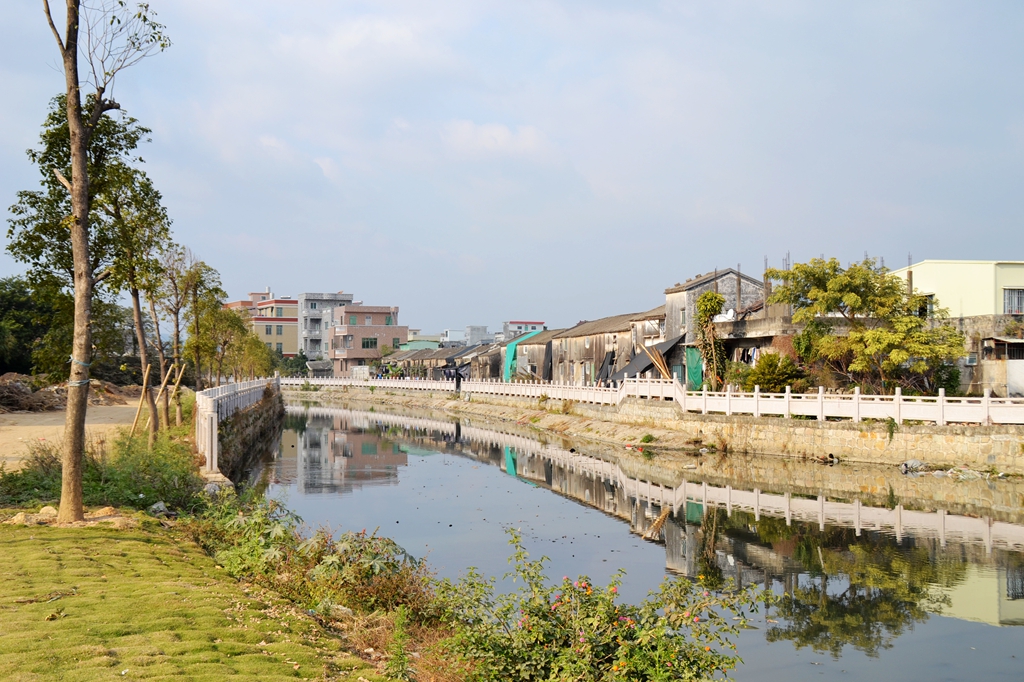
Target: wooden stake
[[162, 387], [142, 398]]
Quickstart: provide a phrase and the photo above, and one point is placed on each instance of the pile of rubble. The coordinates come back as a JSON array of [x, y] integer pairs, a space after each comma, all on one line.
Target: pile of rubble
[[21, 393]]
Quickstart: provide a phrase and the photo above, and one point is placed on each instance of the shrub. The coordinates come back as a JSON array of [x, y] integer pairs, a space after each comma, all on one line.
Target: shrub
[[648, 438], [773, 372], [259, 539], [132, 476], [575, 630]]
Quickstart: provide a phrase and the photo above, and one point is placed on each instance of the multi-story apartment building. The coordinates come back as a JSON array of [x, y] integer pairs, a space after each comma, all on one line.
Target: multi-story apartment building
[[359, 334], [276, 322], [315, 315]]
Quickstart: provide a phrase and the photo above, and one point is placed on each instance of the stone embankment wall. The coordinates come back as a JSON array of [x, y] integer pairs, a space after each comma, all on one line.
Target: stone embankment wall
[[980, 447], [246, 435]]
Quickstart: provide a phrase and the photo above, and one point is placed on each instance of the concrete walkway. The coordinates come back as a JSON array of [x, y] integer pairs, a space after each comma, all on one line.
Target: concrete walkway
[[19, 429]]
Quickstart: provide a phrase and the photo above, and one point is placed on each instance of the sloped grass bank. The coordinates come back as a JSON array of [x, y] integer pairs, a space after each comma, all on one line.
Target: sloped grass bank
[[95, 603]]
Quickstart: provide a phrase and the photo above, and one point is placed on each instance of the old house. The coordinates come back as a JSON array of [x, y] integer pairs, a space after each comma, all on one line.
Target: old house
[[487, 363], [534, 356], [648, 328], [591, 352]]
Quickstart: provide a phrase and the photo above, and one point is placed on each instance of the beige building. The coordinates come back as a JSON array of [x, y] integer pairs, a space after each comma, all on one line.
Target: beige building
[[276, 322], [968, 288]]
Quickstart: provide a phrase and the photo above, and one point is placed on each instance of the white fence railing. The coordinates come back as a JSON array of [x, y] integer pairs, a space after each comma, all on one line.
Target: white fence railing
[[216, 404], [854, 406]]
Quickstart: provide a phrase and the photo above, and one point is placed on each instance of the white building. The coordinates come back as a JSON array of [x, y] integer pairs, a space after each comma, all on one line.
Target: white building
[[315, 319]]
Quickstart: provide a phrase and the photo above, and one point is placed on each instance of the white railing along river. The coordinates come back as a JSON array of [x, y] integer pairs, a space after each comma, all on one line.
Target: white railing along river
[[216, 404], [940, 409]]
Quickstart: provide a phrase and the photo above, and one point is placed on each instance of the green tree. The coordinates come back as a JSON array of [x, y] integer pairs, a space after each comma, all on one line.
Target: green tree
[[773, 372], [712, 350], [140, 229], [894, 337], [116, 37], [172, 294], [23, 322], [206, 296]]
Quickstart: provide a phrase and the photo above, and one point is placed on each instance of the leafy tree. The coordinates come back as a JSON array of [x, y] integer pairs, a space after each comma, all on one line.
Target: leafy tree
[[206, 296], [294, 366], [140, 230], [894, 337], [116, 37], [773, 372], [172, 295], [23, 321], [712, 350]]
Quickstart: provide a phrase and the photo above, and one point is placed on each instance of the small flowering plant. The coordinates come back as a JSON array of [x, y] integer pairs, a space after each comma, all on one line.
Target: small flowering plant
[[575, 630]]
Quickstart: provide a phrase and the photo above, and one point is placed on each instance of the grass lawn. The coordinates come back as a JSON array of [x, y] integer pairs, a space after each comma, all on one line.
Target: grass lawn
[[97, 604]]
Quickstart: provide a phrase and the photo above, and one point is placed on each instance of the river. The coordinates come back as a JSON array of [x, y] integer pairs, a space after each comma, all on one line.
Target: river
[[908, 589]]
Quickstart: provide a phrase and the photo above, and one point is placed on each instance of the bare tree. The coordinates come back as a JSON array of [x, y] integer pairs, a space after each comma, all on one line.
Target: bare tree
[[116, 37]]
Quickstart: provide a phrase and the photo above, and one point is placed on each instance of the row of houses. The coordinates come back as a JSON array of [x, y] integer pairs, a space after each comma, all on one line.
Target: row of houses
[[985, 298]]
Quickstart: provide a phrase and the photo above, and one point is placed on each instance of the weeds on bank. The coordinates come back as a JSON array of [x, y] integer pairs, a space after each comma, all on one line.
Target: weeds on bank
[[130, 475], [385, 600]]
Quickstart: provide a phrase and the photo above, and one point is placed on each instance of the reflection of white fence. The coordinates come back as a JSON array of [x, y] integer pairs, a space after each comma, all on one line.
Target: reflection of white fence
[[216, 404], [898, 521], [939, 409]]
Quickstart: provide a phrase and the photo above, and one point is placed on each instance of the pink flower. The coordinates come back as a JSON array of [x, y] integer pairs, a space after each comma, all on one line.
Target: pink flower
[[614, 590], [695, 619]]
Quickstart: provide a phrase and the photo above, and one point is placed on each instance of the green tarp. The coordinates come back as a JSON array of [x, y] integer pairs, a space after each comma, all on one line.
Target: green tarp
[[509, 370], [694, 370]]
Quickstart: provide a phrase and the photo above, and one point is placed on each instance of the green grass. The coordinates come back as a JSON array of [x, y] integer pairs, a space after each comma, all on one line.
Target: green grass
[[95, 603]]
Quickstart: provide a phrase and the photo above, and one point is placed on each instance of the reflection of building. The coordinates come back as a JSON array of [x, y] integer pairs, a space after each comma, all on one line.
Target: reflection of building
[[333, 455], [988, 594]]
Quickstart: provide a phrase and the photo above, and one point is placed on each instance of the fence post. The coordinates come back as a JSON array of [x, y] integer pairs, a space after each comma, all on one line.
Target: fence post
[[941, 406], [728, 400], [789, 397], [856, 404], [897, 403], [757, 399], [986, 406], [704, 396], [821, 403]]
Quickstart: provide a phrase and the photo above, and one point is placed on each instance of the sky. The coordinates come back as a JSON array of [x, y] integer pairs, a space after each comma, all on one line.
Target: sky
[[473, 162]]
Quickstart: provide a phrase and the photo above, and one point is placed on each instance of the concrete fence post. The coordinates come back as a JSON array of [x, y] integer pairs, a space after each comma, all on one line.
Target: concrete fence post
[[704, 399], [856, 404], [986, 403], [728, 400], [897, 405], [789, 398], [940, 405], [821, 403]]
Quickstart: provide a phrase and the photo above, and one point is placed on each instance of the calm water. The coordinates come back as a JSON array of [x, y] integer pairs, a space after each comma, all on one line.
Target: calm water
[[872, 591]]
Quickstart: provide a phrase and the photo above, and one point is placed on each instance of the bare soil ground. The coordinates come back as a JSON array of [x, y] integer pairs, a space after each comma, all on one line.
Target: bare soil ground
[[18, 429]]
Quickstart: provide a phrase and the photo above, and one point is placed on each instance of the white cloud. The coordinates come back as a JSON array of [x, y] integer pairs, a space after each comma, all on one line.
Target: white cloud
[[466, 138]]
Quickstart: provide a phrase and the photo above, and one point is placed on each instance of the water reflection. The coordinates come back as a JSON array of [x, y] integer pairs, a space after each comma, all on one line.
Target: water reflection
[[852, 574]]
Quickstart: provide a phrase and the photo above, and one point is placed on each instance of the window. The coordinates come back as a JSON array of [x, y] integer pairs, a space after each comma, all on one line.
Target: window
[[312, 305], [387, 320], [280, 330], [280, 348], [352, 319], [280, 312], [682, 318], [1013, 301], [395, 343], [348, 341], [368, 448], [269, 330], [533, 328], [370, 343], [369, 319]]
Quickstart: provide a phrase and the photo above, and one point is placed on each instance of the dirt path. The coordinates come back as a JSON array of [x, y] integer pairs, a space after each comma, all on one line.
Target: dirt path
[[18, 429]]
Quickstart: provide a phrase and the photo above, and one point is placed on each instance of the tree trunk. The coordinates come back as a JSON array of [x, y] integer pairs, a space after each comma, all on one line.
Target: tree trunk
[[165, 403], [81, 348], [177, 363], [195, 313], [140, 334]]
